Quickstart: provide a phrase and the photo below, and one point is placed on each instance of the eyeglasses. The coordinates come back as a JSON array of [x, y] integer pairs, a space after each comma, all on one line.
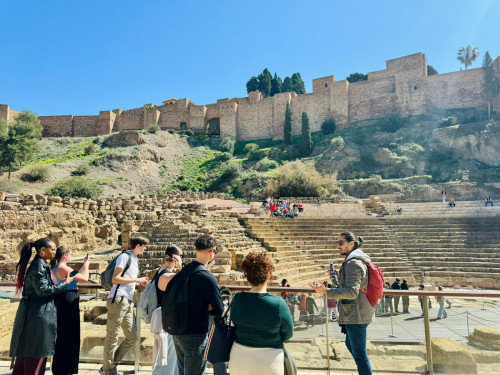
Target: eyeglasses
[[340, 242]]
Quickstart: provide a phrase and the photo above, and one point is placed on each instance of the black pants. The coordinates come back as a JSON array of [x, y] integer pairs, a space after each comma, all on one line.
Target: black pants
[[67, 351], [29, 366]]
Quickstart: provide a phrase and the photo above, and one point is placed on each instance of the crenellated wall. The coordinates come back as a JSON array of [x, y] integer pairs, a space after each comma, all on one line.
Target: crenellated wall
[[402, 87]]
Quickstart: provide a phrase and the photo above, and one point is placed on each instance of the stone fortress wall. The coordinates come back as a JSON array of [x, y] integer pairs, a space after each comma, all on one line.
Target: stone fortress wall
[[402, 87]]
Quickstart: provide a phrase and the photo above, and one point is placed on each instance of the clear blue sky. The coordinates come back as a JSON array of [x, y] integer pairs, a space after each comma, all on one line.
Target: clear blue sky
[[79, 57]]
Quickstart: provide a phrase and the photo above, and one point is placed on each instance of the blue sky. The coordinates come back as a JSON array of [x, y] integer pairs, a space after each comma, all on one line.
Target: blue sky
[[79, 57]]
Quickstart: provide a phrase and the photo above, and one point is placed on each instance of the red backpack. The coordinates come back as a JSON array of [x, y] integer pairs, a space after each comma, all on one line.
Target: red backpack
[[375, 289]]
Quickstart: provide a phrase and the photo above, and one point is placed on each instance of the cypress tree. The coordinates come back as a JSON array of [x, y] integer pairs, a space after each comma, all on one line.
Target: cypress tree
[[490, 82], [298, 84], [265, 79], [252, 84], [306, 142], [288, 125], [287, 85], [276, 85]]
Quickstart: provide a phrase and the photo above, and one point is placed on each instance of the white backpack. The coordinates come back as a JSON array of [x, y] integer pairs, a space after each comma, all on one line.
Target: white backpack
[[148, 301]]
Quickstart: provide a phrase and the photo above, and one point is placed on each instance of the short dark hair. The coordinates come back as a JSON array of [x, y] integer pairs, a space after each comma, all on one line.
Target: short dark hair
[[172, 250], [138, 240], [205, 242]]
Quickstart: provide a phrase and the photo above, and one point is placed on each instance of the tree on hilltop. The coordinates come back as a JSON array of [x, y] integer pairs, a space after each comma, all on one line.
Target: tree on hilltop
[[287, 136], [466, 55], [252, 84], [306, 144], [265, 79], [431, 71], [276, 84], [357, 77], [491, 84], [19, 142], [298, 84], [287, 85]]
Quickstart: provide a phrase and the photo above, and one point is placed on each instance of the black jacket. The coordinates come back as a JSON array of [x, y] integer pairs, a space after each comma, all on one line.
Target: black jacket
[[35, 326]]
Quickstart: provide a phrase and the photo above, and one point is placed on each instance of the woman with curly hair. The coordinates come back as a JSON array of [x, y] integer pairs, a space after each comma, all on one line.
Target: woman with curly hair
[[263, 322]]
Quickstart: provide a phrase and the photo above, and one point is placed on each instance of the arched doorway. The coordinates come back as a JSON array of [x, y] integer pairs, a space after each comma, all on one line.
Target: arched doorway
[[213, 126]]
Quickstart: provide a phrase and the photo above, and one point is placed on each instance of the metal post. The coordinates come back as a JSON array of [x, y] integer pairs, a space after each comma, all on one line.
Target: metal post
[[428, 344], [392, 328], [137, 357], [327, 335], [467, 316]]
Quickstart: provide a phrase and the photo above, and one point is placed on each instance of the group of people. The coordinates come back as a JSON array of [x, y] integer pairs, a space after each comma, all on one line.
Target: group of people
[[282, 208], [390, 304], [263, 322]]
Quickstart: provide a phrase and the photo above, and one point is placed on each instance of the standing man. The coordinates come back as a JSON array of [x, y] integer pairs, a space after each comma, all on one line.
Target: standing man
[[120, 306], [406, 299], [355, 311], [204, 299], [443, 194], [397, 286]]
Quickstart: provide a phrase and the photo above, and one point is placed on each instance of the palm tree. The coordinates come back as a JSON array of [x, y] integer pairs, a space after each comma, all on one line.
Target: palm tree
[[466, 55]]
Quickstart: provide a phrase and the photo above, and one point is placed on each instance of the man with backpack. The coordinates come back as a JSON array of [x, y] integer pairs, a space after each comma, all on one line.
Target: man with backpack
[[357, 297], [190, 297], [120, 305]]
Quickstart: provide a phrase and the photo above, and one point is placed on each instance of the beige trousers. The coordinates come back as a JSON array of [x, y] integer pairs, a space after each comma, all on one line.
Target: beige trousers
[[120, 314], [245, 360]]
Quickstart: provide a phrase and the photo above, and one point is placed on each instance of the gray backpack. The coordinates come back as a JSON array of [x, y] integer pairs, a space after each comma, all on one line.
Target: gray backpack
[[148, 301], [107, 275]]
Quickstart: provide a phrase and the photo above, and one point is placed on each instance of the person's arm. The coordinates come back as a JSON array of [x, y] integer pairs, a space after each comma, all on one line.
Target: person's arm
[[83, 273], [286, 327], [122, 280], [164, 280], [354, 275], [316, 306], [42, 286], [212, 293]]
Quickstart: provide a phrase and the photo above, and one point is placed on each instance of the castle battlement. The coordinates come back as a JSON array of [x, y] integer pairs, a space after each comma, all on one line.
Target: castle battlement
[[402, 87]]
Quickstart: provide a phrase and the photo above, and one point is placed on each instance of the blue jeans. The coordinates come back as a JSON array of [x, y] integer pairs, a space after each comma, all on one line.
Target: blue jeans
[[189, 349], [355, 340]]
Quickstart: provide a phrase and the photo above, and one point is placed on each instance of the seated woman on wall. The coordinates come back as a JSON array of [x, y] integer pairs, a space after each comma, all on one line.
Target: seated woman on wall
[[263, 322], [67, 351], [35, 325]]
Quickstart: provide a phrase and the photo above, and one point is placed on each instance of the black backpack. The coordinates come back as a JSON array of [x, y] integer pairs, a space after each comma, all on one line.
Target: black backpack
[[175, 303]]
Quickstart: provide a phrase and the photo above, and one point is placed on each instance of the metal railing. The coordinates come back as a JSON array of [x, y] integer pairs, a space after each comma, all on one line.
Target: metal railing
[[425, 294]]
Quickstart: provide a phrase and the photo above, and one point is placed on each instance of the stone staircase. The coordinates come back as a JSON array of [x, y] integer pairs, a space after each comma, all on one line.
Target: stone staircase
[[303, 248], [440, 209]]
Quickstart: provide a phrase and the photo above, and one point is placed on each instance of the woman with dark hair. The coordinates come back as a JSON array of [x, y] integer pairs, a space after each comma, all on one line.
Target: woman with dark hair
[[355, 311], [173, 259], [67, 351], [35, 325], [263, 322]]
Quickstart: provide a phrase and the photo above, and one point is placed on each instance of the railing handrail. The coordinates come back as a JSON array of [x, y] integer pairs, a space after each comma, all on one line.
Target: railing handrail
[[389, 292]]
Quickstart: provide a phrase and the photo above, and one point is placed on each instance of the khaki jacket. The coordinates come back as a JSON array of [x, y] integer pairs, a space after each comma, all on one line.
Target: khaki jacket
[[354, 307]]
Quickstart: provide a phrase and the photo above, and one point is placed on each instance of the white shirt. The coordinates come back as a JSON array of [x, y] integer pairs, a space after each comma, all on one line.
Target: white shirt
[[126, 290]]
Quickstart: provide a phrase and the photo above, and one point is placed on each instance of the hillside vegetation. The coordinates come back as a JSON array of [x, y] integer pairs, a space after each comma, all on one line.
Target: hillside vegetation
[[390, 154]]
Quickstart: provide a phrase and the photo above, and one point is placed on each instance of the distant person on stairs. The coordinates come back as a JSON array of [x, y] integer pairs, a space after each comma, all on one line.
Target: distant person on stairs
[[406, 299], [396, 286], [355, 311], [443, 194]]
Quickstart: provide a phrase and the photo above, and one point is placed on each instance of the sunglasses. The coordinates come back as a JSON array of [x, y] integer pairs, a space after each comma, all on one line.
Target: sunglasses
[[340, 242], [214, 251]]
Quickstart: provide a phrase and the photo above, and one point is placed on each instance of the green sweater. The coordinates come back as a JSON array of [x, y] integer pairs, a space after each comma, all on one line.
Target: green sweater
[[261, 319]]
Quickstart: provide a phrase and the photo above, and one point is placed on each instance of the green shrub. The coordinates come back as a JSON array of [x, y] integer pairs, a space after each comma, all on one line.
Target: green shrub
[[81, 170], [448, 121], [224, 156], [264, 165], [171, 131], [9, 186], [230, 172], [337, 143], [328, 126], [257, 154], [298, 179], [154, 128], [250, 148], [188, 132], [202, 137], [274, 153], [227, 145], [363, 188], [391, 122], [76, 187], [90, 149], [36, 174]]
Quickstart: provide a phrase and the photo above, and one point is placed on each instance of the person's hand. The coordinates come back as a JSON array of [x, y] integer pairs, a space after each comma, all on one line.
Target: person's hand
[[86, 260], [178, 261], [143, 281], [318, 288], [70, 279], [209, 307]]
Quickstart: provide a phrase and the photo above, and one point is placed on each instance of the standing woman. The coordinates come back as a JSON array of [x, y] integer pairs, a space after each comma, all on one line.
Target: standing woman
[[67, 352], [35, 326], [173, 259], [263, 322]]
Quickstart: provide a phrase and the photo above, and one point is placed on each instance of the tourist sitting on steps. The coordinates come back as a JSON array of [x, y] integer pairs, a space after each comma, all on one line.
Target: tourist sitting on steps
[[452, 203], [488, 201]]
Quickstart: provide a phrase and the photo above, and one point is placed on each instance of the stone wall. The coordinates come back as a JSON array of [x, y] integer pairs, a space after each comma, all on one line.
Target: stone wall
[[402, 87]]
